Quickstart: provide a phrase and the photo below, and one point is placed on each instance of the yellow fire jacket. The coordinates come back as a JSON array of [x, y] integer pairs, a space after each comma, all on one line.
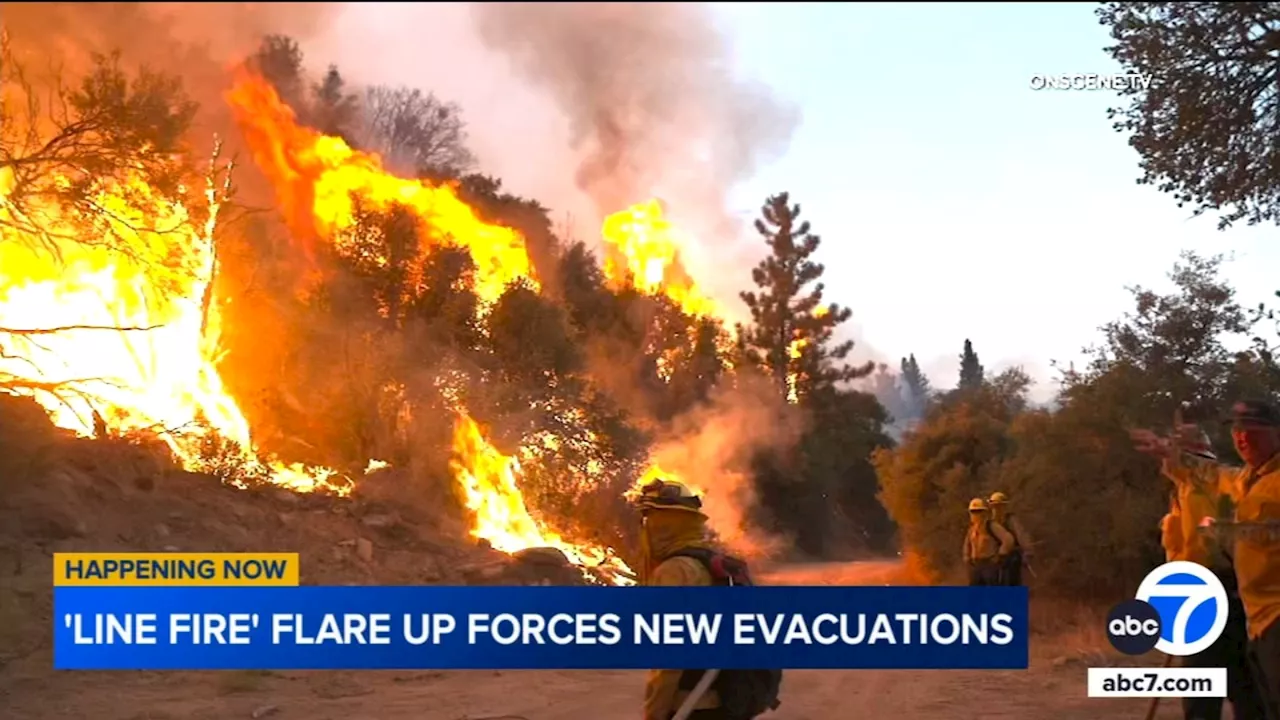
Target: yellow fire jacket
[[1256, 552]]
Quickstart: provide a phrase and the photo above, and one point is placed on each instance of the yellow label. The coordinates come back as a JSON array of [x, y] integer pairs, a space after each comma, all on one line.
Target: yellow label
[[153, 569]]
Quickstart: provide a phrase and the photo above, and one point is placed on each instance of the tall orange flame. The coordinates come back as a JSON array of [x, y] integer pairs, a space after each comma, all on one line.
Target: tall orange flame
[[315, 177], [490, 481]]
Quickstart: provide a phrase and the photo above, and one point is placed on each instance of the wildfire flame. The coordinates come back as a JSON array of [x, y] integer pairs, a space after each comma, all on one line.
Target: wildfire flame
[[795, 350], [644, 250], [489, 480], [106, 345], [316, 177], [318, 180]]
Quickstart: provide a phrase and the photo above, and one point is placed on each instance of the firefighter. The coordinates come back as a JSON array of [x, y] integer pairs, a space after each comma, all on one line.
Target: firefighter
[[673, 520], [1012, 573], [1200, 482], [987, 545]]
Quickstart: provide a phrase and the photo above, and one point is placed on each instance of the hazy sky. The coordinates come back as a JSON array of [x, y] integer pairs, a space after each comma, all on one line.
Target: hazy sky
[[953, 200]]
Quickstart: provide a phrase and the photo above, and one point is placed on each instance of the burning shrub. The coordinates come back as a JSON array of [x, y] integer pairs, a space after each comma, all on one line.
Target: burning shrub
[[224, 459]]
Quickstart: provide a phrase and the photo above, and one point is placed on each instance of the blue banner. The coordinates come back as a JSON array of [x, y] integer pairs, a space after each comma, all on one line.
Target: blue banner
[[515, 628]]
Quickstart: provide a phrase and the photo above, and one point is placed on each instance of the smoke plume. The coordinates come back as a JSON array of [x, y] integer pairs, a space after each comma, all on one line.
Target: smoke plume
[[711, 448], [198, 42], [653, 105], [158, 33]]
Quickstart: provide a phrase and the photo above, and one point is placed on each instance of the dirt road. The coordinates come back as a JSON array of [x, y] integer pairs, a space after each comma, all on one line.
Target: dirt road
[[1054, 687]]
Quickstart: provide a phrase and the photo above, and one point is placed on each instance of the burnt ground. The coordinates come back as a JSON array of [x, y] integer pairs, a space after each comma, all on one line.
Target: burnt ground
[[65, 495]]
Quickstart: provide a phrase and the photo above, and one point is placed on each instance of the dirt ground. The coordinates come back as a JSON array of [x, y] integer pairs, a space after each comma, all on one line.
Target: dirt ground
[[75, 495]]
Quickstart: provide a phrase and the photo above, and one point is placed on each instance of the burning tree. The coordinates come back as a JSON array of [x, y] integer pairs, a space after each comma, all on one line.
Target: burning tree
[[82, 175], [792, 336], [107, 313], [792, 340], [61, 156]]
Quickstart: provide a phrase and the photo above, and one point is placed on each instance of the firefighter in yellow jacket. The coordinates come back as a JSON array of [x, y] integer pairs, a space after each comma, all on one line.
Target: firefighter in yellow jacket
[[1248, 567], [1021, 554], [987, 545], [672, 521]]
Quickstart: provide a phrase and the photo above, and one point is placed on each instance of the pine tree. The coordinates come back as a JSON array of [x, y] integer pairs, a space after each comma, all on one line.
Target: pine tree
[[792, 330], [915, 386], [971, 372]]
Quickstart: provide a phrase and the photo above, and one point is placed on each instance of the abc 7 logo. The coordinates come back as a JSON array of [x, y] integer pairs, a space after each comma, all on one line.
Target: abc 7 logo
[[1180, 609]]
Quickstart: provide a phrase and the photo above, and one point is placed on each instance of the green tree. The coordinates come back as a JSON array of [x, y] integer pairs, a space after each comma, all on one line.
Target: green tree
[[1090, 502], [1174, 341], [1206, 125], [446, 303], [972, 373], [531, 340], [592, 308], [702, 367], [841, 510], [1170, 350], [788, 314], [577, 450], [951, 456]]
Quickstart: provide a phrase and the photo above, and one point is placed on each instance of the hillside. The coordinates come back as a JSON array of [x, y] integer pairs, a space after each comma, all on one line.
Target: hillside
[[59, 493]]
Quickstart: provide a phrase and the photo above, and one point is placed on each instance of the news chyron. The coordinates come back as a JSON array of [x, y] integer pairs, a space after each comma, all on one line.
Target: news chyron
[[247, 611], [1180, 609]]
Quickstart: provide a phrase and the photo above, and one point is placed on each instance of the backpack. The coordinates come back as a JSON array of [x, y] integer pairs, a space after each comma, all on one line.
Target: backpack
[[744, 694], [1008, 526]]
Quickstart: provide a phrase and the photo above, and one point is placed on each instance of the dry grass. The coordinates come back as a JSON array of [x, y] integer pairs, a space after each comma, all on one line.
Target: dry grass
[[1074, 632], [1068, 620]]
